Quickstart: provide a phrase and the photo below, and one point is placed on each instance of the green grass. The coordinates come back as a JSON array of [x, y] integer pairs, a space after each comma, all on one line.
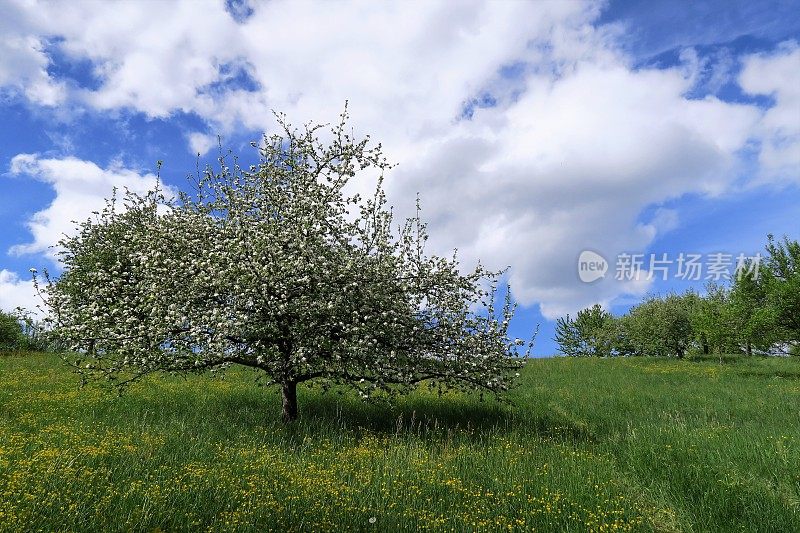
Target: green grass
[[636, 444]]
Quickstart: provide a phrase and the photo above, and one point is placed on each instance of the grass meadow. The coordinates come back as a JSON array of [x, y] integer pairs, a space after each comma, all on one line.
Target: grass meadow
[[583, 445]]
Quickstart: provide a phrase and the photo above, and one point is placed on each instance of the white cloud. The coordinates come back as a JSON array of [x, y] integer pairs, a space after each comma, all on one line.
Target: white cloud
[[23, 63], [570, 166], [389, 58], [200, 143], [16, 292], [80, 186], [577, 144], [151, 58], [664, 220], [777, 75]]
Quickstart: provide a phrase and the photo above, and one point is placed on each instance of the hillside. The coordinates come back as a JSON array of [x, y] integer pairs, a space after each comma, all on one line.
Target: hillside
[[585, 444]]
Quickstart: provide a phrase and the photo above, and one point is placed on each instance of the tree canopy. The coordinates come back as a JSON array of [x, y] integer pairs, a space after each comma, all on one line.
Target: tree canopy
[[590, 333], [278, 267], [10, 331]]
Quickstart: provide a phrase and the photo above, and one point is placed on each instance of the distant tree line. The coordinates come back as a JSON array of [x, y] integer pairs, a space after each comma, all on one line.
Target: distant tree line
[[757, 312]]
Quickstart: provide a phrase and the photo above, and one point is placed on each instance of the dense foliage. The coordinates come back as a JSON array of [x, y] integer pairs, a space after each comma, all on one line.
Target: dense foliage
[[662, 326], [590, 333], [20, 332], [10, 331], [782, 287], [759, 312], [279, 268]]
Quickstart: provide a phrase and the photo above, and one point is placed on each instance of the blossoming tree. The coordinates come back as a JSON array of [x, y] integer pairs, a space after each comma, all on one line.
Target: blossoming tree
[[279, 268]]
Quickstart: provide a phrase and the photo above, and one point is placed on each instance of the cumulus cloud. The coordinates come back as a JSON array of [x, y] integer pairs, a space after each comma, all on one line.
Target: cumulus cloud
[[200, 143], [16, 292], [524, 125], [777, 75], [570, 166], [23, 62], [305, 58], [80, 186]]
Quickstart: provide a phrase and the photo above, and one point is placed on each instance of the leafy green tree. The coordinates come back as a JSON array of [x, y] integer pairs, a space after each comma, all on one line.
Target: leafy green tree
[[35, 337], [661, 326], [752, 321], [10, 331], [278, 268], [782, 286], [567, 337], [765, 299], [641, 329], [624, 340], [712, 321], [591, 333]]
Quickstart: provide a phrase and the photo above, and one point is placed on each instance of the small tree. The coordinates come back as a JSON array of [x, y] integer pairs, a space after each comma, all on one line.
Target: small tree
[[568, 337], [661, 326], [712, 321], [782, 286], [591, 333], [624, 340], [277, 268], [765, 299], [11, 336], [752, 320]]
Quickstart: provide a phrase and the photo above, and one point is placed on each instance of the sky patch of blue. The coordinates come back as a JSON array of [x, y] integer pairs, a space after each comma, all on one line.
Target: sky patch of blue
[[720, 66], [239, 10], [657, 26], [232, 77], [733, 224], [483, 101], [79, 72]]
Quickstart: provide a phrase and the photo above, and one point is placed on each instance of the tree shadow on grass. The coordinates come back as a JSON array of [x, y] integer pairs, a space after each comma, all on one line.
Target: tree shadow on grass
[[435, 419], [407, 414], [423, 416]]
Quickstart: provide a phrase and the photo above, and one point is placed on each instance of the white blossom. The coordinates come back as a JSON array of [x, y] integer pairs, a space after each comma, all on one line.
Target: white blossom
[[275, 268]]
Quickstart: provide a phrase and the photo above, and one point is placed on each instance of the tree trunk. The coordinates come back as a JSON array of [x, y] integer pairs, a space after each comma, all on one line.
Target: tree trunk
[[289, 390], [749, 348]]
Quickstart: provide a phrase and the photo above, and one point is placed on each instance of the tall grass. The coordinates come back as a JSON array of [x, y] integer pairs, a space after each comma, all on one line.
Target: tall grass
[[584, 444]]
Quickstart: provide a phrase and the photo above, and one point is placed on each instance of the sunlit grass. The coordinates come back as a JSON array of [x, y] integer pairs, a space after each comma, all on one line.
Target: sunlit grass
[[599, 445]]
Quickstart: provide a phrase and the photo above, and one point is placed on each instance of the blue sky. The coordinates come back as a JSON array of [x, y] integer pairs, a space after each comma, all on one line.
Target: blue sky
[[532, 131]]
